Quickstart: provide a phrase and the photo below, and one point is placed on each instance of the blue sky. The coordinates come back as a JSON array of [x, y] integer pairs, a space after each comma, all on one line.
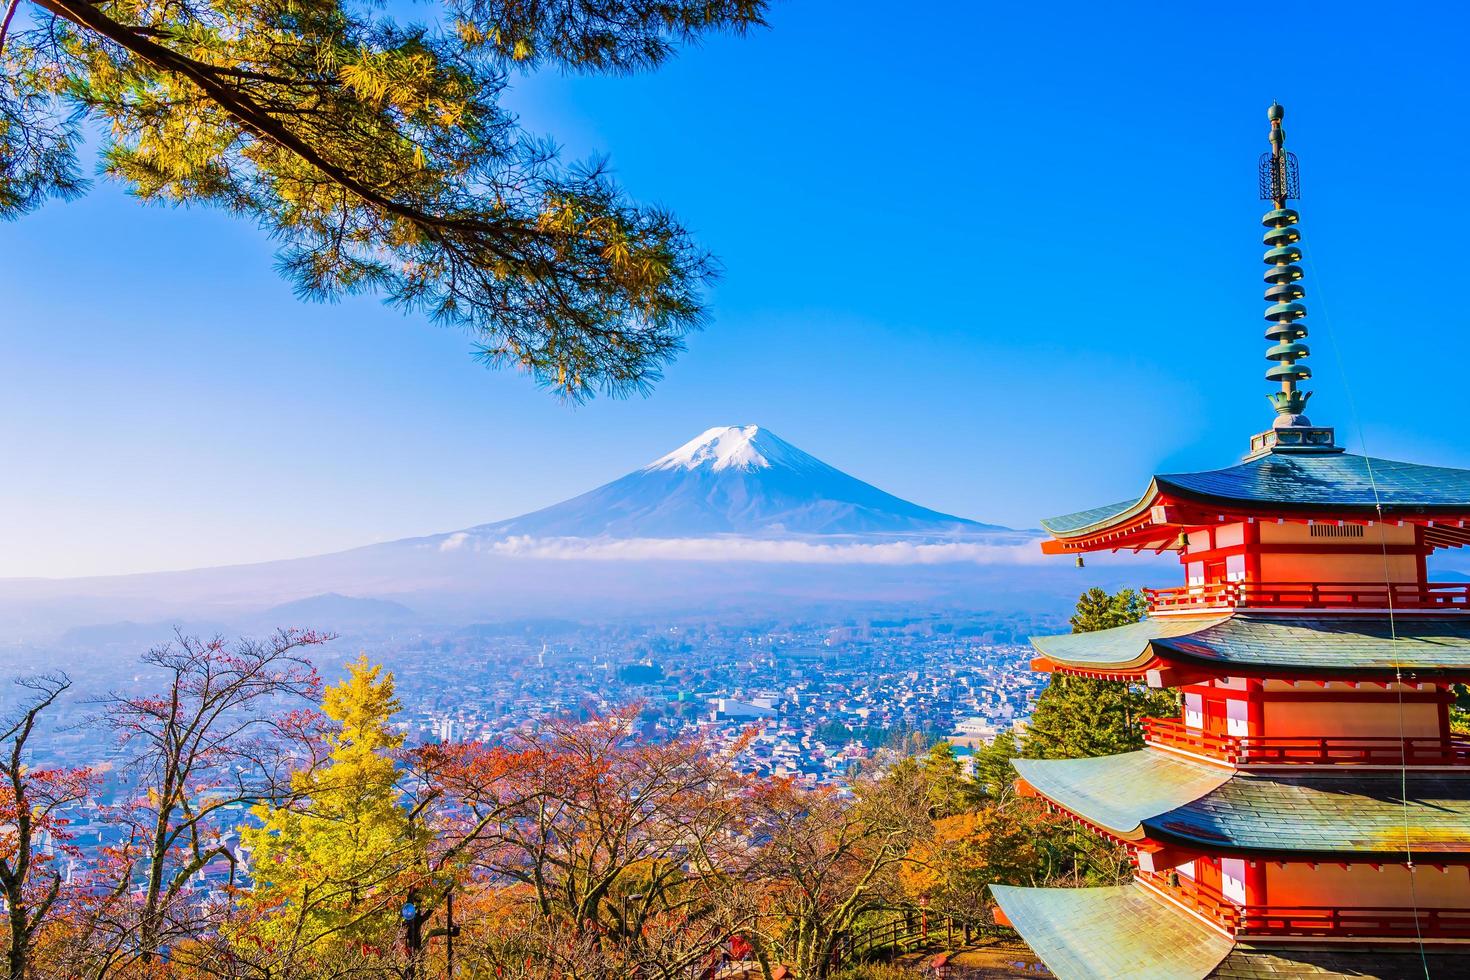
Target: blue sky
[[1003, 260]]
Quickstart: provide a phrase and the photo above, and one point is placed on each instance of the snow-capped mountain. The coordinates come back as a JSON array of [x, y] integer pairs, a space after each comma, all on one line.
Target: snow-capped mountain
[[740, 480], [736, 518]]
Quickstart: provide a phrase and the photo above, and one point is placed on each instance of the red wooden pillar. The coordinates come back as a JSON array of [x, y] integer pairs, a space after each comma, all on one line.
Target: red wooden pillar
[[1421, 554], [1255, 707], [1252, 551]]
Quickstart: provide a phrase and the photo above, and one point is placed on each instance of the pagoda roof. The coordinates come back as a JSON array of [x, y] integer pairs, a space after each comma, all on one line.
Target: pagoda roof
[[1119, 931], [1250, 643], [1091, 787], [1128, 931], [1291, 483], [1325, 815]]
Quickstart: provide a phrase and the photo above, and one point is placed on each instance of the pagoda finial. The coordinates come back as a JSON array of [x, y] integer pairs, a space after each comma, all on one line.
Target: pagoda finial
[[1292, 431], [1279, 183]]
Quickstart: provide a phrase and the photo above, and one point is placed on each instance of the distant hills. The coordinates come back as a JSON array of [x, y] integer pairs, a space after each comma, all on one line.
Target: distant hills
[[737, 521]]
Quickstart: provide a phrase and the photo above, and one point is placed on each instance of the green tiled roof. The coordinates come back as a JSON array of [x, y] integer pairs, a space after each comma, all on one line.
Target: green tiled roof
[[1107, 933], [1299, 481], [1328, 813], [1121, 646], [1086, 518], [1249, 963], [1152, 793], [1119, 792], [1329, 480], [1323, 643]]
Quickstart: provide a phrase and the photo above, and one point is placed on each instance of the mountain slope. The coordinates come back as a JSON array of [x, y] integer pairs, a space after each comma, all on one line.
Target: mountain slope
[[736, 519], [741, 480]]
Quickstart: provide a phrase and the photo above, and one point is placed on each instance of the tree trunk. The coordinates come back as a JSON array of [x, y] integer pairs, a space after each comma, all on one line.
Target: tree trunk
[[15, 957]]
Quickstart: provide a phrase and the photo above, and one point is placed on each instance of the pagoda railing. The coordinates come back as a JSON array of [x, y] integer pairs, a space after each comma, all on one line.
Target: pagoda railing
[[1341, 596], [1201, 898], [1266, 750], [1385, 922]]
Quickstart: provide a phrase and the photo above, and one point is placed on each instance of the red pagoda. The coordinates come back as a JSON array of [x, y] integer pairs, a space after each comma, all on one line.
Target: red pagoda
[[1308, 812]]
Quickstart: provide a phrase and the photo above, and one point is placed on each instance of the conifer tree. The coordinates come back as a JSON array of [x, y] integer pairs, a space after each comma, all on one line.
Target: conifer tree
[[1082, 716], [338, 864], [948, 790], [378, 154], [994, 774]]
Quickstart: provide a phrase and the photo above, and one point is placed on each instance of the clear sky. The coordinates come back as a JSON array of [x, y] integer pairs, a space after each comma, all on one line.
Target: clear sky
[[1000, 259]]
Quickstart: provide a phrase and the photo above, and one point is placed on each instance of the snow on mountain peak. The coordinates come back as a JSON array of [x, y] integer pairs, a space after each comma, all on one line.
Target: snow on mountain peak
[[738, 447]]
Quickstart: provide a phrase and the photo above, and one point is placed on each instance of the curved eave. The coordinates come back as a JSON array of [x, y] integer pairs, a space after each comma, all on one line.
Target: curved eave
[[1180, 649], [1122, 653], [1120, 931], [1151, 798], [1085, 522], [1327, 816], [1120, 525], [1118, 793]]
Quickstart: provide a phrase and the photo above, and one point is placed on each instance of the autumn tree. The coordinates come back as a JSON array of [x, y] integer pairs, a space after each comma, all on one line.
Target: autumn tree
[[825, 860], [33, 801], [378, 153], [951, 871], [336, 859], [607, 848], [223, 731]]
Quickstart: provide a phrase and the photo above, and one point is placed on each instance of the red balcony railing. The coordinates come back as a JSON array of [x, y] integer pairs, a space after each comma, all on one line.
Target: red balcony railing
[[1381, 922], [1259, 750], [1385, 922], [1170, 733], [1201, 898], [1343, 596]]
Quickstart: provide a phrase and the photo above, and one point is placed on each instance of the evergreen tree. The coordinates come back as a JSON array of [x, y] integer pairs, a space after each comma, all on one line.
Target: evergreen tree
[[379, 155], [1097, 609], [994, 774], [1082, 716], [338, 864], [948, 790]]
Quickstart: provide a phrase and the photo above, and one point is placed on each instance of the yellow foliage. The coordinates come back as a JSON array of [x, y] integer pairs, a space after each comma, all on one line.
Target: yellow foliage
[[334, 864]]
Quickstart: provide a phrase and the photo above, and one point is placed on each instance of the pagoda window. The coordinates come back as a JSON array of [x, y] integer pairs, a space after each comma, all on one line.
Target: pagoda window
[[1230, 536], [1235, 568], [1194, 710], [1232, 879], [1196, 573], [1237, 718]]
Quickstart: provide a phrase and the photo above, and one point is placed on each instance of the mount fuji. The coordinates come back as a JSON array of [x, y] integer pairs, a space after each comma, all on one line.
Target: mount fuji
[[734, 480], [736, 519]]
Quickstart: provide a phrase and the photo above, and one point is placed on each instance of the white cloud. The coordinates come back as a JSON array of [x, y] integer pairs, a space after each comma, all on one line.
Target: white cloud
[[454, 542], [759, 550]]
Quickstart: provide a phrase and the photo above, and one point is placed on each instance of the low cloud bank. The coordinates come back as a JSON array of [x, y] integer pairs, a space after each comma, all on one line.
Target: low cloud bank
[[1024, 552]]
